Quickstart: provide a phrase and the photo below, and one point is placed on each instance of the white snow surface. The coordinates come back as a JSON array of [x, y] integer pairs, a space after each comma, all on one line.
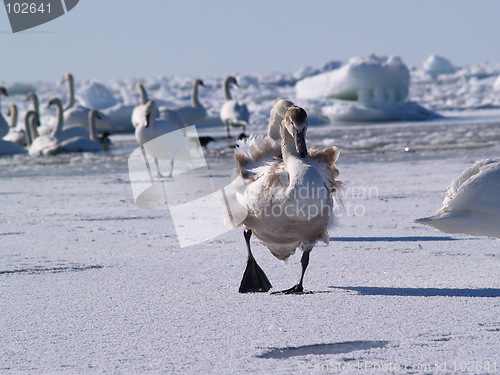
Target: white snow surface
[[90, 283]]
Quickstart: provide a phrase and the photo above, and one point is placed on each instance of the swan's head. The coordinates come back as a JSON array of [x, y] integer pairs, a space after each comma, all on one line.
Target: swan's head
[[231, 80], [199, 82], [54, 101], [281, 106], [295, 122], [3, 91], [151, 112], [67, 77], [94, 114]]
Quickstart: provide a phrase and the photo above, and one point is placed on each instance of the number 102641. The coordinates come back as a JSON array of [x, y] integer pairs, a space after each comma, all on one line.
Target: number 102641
[[27, 8]]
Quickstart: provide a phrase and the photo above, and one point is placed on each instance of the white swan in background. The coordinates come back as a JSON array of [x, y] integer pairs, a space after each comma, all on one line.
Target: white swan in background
[[41, 129], [40, 144], [79, 115], [194, 113], [139, 114], [472, 202], [233, 113], [81, 143], [61, 132], [289, 201], [164, 113], [8, 147], [4, 126], [154, 127], [15, 134]]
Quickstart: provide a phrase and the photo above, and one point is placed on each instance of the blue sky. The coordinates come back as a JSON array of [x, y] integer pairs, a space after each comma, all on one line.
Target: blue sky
[[149, 38]]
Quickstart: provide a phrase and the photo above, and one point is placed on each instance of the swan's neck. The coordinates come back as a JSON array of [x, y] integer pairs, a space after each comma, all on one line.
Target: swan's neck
[[36, 105], [71, 93], [60, 119], [227, 93], [13, 115], [288, 149], [27, 131], [273, 129], [92, 135], [194, 96], [31, 123], [143, 94]]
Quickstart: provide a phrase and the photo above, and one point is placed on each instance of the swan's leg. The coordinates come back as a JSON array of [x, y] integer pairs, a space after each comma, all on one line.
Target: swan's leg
[[158, 168], [299, 289], [254, 279], [171, 167], [227, 128]]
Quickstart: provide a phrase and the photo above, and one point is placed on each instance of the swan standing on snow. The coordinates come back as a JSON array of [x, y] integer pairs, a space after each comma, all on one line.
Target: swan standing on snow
[[472, 202], [4, 126], [289, 201], [79, 115], [154, 127], [15, 134], [194, 113], [139, 114], [232, 112]]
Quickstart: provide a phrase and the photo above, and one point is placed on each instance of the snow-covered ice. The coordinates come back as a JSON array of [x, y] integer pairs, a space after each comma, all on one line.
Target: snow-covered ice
[[89, 282], [436, 65]]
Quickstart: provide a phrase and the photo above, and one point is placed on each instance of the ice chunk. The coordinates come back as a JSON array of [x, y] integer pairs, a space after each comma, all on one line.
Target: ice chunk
[[367, 79], [436, 65], [95, 95]]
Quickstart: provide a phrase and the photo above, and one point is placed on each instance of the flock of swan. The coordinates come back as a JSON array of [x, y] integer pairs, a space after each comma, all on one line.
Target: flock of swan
[[74, 120], [291, 192]]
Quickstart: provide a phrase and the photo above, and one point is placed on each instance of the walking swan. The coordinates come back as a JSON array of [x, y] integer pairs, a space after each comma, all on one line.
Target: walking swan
[[289, 199]]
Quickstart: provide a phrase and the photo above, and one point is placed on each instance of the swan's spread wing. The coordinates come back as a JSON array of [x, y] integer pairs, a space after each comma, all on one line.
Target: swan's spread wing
[[325, 163], [255, 152]]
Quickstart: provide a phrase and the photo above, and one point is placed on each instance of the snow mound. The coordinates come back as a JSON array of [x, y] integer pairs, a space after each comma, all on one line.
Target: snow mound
[[367, 79], [344, 111], [436, 65], [95, 95]]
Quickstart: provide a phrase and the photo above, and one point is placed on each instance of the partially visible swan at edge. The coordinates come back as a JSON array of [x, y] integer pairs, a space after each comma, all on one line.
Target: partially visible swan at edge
[[4, 126], [79, 115], [233, 113], [15, 134], [194, 113], [8, 147], [154, 127], [472, 202], [289, 201]]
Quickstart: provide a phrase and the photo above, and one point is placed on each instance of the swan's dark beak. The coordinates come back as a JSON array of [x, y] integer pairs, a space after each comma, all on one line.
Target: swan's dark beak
[[148, 119], [98, 115], [300, 143], [4, 91]]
